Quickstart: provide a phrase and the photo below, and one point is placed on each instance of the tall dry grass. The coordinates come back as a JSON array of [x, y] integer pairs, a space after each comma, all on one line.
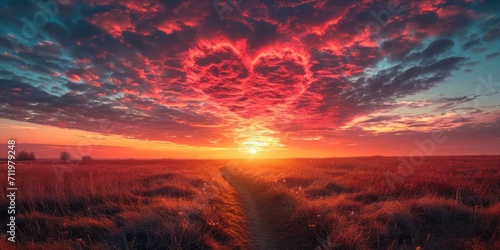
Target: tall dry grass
[[447, 203], [340, 203], [125, 204]]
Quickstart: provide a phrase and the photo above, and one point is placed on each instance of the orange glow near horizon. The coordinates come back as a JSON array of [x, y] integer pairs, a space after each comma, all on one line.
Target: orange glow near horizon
[[97, 145], [254, 142]]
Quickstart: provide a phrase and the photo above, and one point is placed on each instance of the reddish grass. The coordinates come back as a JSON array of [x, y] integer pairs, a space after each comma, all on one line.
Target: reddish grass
[[341, 203], [126, 204], [447, 203]]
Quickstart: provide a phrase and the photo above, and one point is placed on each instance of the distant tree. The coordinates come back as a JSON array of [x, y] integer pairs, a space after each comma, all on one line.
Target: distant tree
[[65, 156], [25, 156], [86, 158]]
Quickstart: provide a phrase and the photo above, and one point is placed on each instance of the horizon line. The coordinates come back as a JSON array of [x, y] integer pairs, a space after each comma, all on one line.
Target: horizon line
[[260, 158]]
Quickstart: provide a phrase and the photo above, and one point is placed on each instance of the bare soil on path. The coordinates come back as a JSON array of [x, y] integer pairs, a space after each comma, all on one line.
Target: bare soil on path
[[270, 213]]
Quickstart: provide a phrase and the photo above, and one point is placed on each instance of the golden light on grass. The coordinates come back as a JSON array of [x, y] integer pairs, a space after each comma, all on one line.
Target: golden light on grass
[[313, 198]]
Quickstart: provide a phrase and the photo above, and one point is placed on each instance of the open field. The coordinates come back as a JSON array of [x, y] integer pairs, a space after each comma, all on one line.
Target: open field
[[335, 203]]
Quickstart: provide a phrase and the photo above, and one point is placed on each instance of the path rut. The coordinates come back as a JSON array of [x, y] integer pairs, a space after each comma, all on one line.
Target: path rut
[[270, 214]]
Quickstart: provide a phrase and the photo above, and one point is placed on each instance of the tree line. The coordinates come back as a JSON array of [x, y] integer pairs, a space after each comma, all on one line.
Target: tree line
[[64, 156]]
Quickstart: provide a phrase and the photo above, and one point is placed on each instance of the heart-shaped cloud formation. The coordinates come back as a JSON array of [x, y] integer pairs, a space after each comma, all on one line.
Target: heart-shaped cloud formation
[[250, 86]]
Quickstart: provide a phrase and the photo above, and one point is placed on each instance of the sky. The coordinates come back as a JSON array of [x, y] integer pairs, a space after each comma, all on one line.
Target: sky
[[242, 78]]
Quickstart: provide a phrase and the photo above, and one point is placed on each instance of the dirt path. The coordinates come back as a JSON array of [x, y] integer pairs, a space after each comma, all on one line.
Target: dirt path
[[261, 237], [270, 214]]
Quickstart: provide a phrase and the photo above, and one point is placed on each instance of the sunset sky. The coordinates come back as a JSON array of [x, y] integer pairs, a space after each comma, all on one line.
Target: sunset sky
[[242, 78]]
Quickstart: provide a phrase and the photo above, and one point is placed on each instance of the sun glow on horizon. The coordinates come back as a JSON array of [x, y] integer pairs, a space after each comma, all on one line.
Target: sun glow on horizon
[[252, 150]]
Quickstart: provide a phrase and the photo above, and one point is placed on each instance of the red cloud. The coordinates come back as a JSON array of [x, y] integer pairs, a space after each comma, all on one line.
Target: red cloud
[[114, 22]]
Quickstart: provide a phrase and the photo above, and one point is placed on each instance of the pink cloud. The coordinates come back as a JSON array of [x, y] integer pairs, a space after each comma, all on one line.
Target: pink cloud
[[114, 22]]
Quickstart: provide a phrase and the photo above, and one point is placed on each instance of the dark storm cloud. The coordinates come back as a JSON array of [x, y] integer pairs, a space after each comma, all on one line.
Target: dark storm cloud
[[492, 34], [471, 44], [263, 33], [380, 119], [437, 47], [493, 55], [491, 29], [424, 20], [400, 47], [453, 100]]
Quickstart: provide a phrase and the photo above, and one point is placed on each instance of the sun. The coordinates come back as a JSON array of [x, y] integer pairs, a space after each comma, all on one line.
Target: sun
[[252, 150]]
